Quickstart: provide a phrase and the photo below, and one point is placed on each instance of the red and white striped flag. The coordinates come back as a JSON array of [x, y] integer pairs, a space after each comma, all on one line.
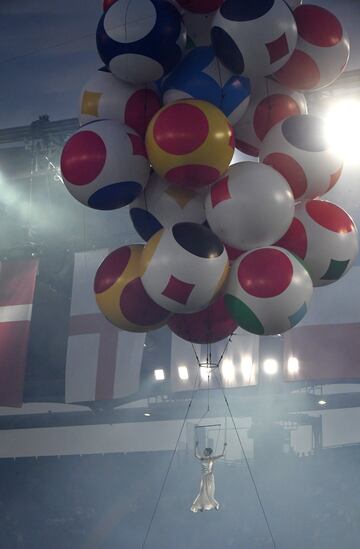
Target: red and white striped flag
[[17, 286], [103, 362]]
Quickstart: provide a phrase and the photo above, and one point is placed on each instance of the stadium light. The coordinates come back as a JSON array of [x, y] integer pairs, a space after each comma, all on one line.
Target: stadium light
[[159, 375], [322, 402], [205, 373], [247, 368], [183, 373], [342, 122], [270, 366], [293, 366], [146, 414], [228, 370]]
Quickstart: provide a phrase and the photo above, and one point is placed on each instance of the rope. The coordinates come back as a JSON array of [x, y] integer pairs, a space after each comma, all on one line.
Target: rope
[[170, 464], [267, 522]]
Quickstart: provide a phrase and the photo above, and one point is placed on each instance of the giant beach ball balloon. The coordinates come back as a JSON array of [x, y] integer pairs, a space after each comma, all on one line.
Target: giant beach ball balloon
[[120, 294], [321, 53], [207, 326], [298, 149], [200, 75], [104, 165], [254, 38], [105, 96], [185, 267], [268, 291], [249, 206], [141, 41], [269, 104], [162, 205], [190, 143], [325, 237]]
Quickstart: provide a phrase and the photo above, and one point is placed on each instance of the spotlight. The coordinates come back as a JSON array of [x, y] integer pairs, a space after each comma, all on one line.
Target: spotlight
[[159, 375], [228, 371], [247, 367], [183, 373], [322, 402], [146, 414], [205, 372], [293, 366], [341, 126], [270, 366]]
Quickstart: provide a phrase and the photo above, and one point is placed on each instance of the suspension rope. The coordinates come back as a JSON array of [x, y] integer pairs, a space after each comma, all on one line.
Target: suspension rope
[[267, 522], [170, 464]]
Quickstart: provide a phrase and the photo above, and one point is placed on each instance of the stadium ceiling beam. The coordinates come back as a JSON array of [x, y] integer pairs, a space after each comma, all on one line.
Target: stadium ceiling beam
[[271, 407]]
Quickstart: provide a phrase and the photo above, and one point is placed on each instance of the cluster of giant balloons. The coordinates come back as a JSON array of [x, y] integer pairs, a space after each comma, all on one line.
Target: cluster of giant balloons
[[184, 82]]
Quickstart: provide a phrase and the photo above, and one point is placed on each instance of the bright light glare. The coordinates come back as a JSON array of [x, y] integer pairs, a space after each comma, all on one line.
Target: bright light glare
[[322, 402], [159, 375], [247, 367], [205, 373], [342, 123], [293, 366], [270, 366], [228, 371], [183, 373]]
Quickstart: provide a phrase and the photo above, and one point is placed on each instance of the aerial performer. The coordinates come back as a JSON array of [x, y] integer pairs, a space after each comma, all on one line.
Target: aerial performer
[[205, 500]]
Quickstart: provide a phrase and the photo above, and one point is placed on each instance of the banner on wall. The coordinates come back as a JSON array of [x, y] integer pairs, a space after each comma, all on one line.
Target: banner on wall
[[17, 285]]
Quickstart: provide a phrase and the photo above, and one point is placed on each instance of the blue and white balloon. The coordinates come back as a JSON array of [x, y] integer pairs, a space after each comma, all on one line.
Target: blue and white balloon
[[200, 75], [141, 41]]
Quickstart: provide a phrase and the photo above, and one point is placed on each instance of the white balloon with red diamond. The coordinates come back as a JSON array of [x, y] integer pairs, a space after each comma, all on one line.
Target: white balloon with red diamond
[[268, 291], [270, 103], [325, 237], [254, 38], [251, 206], [321, 53], [298, 149], [185, 267], [104, 165]]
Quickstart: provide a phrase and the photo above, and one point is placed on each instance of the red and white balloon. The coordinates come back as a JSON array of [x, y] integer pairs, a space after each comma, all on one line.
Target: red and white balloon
[[254, 38], [104, 165], [298, 149], [325, 237], [321, 53], [105, 96], [270, 103], [250, 206], [268, 291]]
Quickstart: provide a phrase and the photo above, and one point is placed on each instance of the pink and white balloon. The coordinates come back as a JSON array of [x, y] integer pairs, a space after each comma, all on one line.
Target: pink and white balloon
[[184, 267], [325, 237], [268, 291], [321, 53], [104, 165], [162, 205], [254, 38], [270, 103], [298, 149], [250, 207], [105, 96]]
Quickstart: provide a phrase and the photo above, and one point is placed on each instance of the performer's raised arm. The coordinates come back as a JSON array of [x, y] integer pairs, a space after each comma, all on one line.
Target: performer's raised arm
[[223, 452]]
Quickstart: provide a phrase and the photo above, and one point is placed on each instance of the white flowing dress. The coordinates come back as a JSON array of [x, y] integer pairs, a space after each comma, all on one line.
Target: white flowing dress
[[205, 500]]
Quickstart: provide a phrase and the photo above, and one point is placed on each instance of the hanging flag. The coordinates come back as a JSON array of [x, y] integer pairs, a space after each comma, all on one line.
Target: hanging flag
[[326, 346], [102, 362], [17, 285]]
